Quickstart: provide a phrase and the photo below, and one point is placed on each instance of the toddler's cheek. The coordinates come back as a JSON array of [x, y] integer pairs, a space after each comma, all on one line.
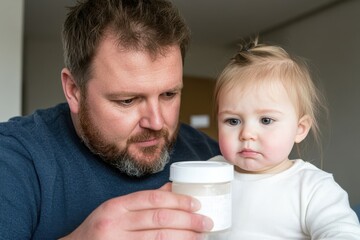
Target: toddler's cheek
[[227, 151]]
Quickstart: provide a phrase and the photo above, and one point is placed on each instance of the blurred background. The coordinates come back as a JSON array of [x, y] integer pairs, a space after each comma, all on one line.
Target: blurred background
[[325, 32]]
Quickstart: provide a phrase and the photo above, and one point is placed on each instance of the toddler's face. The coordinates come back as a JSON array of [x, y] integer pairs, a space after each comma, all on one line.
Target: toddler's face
[[258, 127]]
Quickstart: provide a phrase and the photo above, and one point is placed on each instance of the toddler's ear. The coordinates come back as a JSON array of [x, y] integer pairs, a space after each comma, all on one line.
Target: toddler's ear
[[304, 126]]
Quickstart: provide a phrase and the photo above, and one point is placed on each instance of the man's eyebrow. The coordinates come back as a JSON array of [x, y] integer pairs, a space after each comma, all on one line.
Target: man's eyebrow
[[177, 88], [115, 95], [121, 95]]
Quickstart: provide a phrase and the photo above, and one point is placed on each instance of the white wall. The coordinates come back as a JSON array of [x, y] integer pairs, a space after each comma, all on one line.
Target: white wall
[[331, 42], [11, 34]]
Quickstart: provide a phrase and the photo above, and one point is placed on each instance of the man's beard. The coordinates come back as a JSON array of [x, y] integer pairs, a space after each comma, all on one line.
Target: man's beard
[[122, 159]]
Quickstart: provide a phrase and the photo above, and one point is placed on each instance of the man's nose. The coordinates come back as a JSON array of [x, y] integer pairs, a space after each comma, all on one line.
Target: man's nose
[[152, 117]]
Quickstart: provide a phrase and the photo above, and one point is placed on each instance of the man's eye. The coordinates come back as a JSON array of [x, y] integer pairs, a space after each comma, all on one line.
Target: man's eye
[[233, 121], [169, 94], [266, 121], [126, 102]]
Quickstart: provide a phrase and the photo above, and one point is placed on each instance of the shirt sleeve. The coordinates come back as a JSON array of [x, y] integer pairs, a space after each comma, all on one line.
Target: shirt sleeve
[[19, 191], [328, 214]]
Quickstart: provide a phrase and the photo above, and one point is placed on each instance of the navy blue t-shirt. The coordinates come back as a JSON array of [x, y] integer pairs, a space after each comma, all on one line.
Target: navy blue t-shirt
[[50, 181]]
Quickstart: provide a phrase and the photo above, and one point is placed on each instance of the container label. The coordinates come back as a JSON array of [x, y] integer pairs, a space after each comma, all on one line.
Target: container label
[[218, 208]]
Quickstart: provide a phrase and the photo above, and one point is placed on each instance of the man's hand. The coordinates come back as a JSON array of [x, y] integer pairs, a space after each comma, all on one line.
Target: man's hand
[[146, 215]]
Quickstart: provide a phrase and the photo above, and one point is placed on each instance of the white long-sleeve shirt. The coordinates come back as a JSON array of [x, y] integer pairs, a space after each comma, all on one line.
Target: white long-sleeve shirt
[[302, 202]]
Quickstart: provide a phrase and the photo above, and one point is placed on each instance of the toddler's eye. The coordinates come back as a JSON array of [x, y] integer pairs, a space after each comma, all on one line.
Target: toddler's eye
[[266, 121], [233, 121]]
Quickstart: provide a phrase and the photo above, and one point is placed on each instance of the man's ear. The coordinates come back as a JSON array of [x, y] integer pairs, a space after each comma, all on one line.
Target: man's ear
[[71, 90], [304, 126]]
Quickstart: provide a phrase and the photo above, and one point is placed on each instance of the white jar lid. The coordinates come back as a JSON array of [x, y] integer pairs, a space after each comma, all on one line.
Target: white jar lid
[[201, 172]]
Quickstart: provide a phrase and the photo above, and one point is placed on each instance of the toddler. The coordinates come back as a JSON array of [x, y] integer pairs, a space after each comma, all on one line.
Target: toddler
[[265, 103]]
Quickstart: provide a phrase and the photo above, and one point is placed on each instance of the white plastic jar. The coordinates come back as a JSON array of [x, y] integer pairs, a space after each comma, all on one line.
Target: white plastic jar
[[210, 183]]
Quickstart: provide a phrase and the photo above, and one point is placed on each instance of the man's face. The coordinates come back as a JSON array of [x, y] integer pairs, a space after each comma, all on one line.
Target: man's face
[[130, 110]]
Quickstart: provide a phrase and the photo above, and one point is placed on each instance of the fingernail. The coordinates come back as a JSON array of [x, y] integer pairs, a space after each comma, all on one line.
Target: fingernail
[[207, 224], [195, 205]]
